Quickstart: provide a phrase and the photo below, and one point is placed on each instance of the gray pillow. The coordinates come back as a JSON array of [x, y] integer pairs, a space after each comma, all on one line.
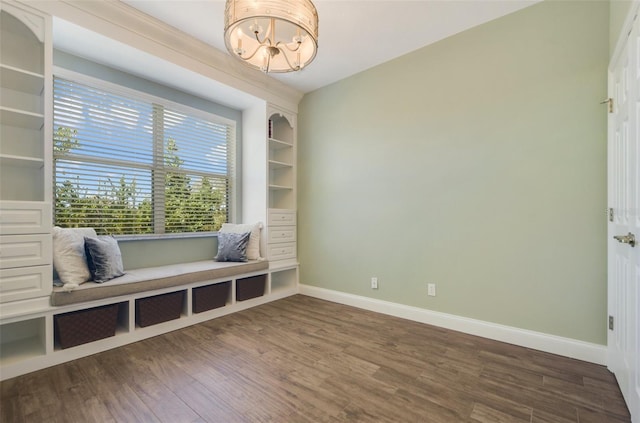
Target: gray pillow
[[103, 258], [232, 246]]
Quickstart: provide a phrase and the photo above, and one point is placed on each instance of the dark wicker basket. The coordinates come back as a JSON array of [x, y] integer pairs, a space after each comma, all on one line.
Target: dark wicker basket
[[210, 296], [159, 308], [79, 327], [247, 288]]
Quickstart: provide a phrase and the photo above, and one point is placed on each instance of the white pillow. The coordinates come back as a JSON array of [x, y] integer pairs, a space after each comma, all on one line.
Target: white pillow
[[69, 257], [253, 248]]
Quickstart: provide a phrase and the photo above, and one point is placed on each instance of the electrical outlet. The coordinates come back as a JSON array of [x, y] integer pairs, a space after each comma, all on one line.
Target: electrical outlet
[[374, 283], [431, 289]]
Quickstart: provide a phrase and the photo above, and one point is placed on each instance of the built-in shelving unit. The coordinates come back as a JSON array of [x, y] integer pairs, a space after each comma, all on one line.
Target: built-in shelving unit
[[25, 183], [281, 229], [29, 342], [25, 66]]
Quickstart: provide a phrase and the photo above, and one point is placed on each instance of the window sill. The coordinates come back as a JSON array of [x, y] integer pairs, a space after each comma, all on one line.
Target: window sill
[[125, 238]]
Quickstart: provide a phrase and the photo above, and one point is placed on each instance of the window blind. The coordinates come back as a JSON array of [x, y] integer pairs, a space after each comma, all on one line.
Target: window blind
[[126, 165]]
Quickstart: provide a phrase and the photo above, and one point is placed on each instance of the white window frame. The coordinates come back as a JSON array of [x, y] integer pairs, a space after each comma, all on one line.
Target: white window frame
[[114, 88]]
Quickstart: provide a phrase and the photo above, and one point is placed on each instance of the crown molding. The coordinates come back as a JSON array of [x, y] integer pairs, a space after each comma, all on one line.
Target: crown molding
[[130, 26]]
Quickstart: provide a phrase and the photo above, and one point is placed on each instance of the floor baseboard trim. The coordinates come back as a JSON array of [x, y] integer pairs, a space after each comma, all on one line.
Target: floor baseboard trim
[[567, 347]]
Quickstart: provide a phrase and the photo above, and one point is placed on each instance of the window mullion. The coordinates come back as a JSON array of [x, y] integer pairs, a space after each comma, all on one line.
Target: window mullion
[[159, 173]]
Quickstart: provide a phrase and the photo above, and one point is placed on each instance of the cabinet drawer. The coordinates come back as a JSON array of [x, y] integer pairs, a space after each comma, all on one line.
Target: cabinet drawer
[[280, 217], [24, 250], [282, 234], [282, 251], [24, 217], [25, 282]]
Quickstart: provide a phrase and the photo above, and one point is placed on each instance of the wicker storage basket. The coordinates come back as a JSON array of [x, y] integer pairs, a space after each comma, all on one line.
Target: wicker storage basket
[[252, 287], [82, 326], [210, 296], [159, 308]]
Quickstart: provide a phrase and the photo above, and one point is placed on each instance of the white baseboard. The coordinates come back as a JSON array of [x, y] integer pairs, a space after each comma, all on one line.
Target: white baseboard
[[567, 347]]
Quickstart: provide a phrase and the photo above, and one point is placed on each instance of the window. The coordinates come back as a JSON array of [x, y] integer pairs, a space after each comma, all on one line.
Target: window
[[131, 164]]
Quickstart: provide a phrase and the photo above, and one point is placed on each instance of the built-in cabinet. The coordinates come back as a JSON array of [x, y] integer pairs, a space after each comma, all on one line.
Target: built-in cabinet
[[25, 154], [281, 229], [25, 180], [32, 342], [28, 322]]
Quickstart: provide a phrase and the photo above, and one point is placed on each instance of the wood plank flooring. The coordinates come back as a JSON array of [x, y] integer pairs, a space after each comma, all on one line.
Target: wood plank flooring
[[305, 360]]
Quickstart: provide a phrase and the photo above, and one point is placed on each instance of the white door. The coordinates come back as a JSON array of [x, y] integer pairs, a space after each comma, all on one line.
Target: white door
[[624, 220]]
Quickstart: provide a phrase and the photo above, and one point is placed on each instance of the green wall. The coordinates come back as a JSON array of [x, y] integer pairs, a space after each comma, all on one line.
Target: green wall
[[159, 252], [477, 163]]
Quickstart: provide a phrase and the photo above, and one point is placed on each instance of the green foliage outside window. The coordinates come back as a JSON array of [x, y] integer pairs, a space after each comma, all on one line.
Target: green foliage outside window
[[118, 206]]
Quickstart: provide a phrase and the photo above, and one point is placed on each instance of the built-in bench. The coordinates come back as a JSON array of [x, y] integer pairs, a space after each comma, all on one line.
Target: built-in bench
[[154, 278], [151, 296], [143, 303]]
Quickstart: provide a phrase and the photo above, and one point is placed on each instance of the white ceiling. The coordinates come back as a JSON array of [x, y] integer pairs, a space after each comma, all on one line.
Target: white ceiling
[[354, 35]]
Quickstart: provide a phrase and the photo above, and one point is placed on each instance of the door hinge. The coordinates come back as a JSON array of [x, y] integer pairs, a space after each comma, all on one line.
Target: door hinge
[[611, 214], [608, 101], [610, 322]]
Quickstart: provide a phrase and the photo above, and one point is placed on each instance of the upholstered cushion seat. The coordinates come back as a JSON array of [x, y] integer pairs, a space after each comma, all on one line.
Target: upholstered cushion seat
[[151, 278]]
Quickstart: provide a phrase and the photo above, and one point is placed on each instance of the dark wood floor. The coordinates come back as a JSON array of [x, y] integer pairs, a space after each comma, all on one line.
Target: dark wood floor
[[305, 360]]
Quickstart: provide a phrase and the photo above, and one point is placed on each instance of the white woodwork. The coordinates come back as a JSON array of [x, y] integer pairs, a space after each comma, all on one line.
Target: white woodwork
[[623, 343], [282, 234], [567, 347], [25, 250], [30, 145], [279, 217], [25, 161], [282, 251], [22, 283], [281, 159], [281, 189], [21, 79], [27, 340], [132, 38], [284, 280]]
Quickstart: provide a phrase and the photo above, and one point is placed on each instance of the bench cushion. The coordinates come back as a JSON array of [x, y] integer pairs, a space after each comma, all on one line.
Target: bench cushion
[[150, 278]]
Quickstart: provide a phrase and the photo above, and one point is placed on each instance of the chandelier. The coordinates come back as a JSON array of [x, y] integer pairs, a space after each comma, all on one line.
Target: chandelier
[[272, 35]]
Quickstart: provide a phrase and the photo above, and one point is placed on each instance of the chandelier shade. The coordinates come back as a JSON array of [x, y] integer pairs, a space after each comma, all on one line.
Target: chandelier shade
[[272, 35]]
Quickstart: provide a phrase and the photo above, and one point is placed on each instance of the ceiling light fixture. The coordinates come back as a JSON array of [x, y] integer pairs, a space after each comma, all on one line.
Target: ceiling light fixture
[[272, 35]]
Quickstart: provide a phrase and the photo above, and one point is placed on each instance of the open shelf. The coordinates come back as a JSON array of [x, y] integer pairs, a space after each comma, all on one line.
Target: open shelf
[[11, 160], [21, 80], [17, 182], [280, 187], [274, 164], [21, 118], [283, 280], [22, 340], [277, 144]]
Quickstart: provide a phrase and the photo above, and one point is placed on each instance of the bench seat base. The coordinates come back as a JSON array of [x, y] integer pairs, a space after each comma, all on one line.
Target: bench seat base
[[153, 278]]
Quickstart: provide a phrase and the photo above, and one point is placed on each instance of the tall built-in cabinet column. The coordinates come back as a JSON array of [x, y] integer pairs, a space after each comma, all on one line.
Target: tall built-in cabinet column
[[25, 179], [281, 229]]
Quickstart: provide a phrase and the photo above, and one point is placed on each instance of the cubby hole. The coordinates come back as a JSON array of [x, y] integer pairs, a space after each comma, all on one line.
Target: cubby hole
[[280, 129], [251, 287], [29, 145], [16, 39], [283, 280], [280, 152], [80, 327], [160, 308], [281, 199], [209, 297], [281, 176], [22, 340], [21, 180]]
